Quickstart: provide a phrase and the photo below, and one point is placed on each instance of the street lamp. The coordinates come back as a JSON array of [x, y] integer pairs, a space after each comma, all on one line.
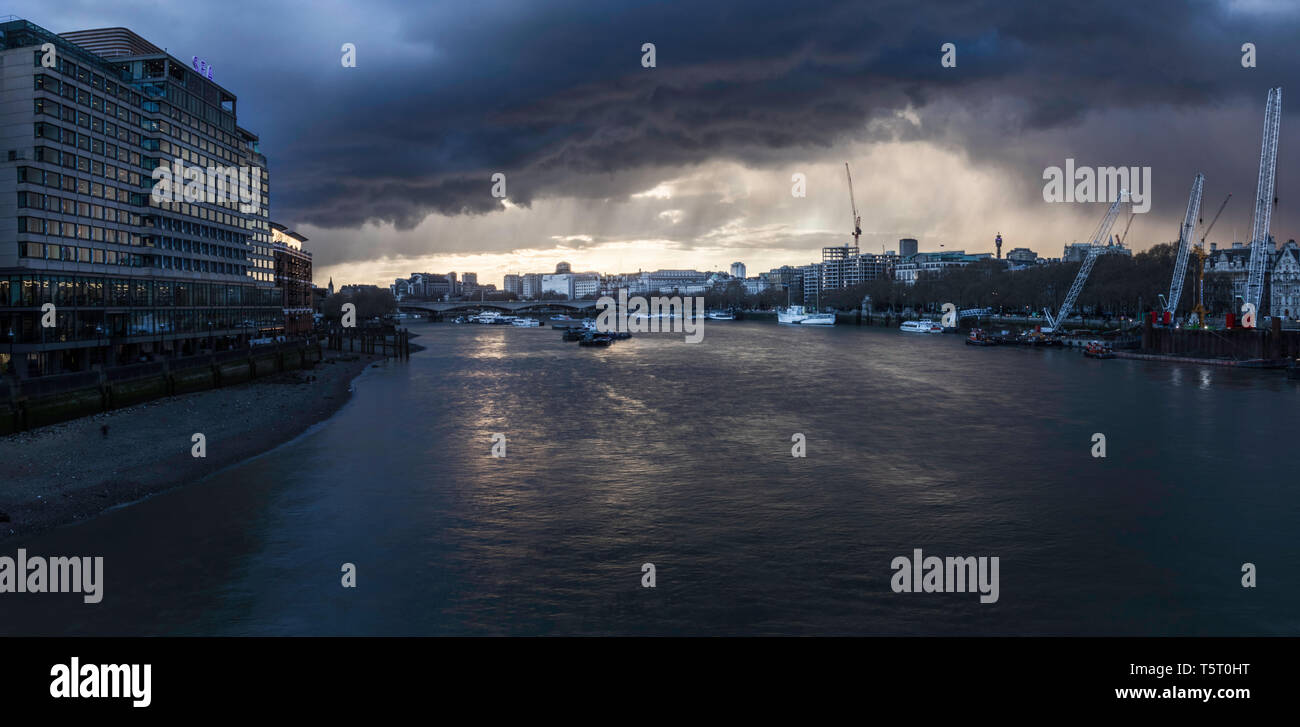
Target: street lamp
[[99, 343]]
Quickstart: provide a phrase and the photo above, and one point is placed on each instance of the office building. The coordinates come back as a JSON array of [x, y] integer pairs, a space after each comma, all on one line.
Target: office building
[[292, 279], [131, 273]]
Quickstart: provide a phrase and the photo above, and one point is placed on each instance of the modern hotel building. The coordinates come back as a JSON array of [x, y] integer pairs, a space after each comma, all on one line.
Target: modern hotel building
[[85, 118]]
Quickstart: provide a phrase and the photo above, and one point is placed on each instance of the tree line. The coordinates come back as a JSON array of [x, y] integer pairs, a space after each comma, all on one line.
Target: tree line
[[1120, 286]]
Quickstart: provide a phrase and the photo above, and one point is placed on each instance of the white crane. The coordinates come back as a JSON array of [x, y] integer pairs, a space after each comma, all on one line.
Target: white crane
[[1259, 242], [857, 220], [1095, 250], [1184, 245]]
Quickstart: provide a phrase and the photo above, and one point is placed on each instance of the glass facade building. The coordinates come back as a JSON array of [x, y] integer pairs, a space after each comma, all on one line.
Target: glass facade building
[[94, 269]]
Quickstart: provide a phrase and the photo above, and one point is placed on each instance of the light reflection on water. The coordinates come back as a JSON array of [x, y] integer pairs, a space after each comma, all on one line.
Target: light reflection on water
[[660, 451]]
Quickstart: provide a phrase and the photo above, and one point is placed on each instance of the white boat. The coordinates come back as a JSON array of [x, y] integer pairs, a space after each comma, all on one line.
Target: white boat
[[720, 315], [525, 323], [818, 319], [798, 315], [791, 314], [924, 325]]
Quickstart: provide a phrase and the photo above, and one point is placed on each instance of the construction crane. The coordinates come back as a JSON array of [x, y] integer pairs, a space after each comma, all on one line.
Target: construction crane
[[1185, 234], [1199, 311], [857, 220], [1264, 200], [1095, 250], [1124, 237]]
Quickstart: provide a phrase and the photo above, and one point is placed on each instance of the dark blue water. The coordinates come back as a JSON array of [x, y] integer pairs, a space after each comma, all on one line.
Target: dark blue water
[[658, 451]]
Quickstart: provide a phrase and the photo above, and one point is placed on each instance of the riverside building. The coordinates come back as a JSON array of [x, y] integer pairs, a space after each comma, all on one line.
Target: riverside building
[[293, 279], [129, 277]]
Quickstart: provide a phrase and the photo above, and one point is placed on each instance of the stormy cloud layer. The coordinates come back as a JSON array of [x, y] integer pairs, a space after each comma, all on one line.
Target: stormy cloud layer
[[393, 159]]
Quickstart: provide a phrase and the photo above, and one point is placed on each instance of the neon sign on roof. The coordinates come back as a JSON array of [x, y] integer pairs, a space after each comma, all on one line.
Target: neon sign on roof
[[202, 68]]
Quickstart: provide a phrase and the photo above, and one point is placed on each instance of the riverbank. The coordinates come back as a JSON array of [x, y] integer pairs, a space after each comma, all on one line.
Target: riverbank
[[71, 471]]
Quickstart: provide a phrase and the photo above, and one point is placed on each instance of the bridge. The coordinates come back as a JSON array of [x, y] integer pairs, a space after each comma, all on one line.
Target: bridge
[[505, 306]]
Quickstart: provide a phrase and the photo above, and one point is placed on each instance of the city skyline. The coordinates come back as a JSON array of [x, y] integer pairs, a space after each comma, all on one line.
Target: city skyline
[[627, 167]]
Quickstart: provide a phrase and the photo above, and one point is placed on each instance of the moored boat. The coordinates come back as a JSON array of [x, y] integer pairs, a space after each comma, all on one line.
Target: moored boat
[[799, 315], [978, 337], [1097, 349], [790, 314], [818, 319], [924, 325]]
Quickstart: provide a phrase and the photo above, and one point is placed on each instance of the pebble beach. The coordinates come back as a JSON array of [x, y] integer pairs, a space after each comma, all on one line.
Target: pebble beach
[[67, 472]]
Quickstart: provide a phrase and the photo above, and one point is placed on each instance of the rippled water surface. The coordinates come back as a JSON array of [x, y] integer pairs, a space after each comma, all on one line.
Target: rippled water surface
[[658, 451]]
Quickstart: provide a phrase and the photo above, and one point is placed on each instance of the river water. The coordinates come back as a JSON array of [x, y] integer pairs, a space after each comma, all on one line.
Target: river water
[[659, 451]]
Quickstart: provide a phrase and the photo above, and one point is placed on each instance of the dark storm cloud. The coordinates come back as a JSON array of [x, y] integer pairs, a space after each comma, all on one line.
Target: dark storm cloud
[[553, 94]]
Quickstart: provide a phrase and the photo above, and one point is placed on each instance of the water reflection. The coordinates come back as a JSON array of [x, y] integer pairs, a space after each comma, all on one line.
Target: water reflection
[[660, 451]]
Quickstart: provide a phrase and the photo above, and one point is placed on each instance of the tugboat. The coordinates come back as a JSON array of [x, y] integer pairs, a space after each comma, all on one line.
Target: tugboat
[[977, 337], [1097, 349], [596, 339]]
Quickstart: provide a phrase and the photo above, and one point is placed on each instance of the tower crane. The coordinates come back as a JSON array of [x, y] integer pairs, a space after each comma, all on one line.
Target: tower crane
[[1185, 234], [857, 220], [1095, 250], [1264, 199]]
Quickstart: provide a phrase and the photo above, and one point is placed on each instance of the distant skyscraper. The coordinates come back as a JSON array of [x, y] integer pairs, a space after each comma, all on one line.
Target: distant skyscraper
[[737, 270], [561, 268], [907, 247], [513, 284]]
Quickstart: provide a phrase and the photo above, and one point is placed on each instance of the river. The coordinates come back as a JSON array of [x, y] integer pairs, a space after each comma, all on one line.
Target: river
[[661, 451]]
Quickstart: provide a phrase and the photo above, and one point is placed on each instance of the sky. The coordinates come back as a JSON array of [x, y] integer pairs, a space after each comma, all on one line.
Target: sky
[[387, 167]]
